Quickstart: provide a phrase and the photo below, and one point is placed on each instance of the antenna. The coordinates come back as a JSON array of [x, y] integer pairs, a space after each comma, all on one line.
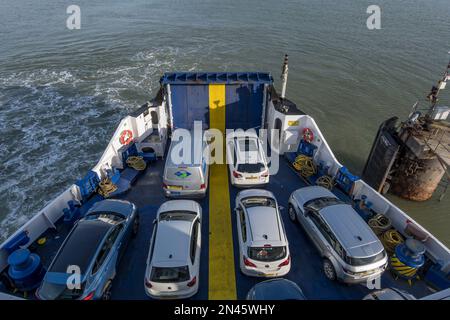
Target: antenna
[[284, 76]]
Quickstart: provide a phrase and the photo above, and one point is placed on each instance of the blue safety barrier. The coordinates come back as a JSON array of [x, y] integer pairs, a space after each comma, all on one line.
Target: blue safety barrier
[[344, 179], [306, 148], [88, 185], [216, 77], [73, 212], [16, 242], [437, 278]]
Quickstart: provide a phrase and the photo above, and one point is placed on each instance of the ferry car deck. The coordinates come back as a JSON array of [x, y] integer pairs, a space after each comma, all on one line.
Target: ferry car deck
[[222, 101]]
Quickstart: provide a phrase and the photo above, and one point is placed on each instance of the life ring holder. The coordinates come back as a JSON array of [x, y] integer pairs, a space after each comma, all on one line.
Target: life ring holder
[[308, 135], [126, 136]]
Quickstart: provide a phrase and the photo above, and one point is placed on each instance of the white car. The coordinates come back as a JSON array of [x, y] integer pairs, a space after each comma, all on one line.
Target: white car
[[246, 159], [263, 245], [173, 261]]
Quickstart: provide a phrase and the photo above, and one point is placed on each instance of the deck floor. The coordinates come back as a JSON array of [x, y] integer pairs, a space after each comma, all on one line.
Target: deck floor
[[306, 268]]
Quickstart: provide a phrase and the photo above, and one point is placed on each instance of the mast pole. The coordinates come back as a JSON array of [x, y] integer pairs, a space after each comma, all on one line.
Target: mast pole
[[284, 76]]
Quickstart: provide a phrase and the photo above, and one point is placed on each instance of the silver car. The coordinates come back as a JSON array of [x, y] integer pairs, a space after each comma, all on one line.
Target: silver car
[[351, 252]]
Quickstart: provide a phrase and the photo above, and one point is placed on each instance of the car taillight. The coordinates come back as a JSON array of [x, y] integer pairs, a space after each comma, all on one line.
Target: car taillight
[[164, 186], [285, 262], [148, 284], [248, 263], [192, 282], [237, 175], [89, 296], [265, 174], [203, 186]]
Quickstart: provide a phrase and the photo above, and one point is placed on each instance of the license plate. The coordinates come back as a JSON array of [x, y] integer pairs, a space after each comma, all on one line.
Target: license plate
[[252, 178], [174, 188], [269, 274]]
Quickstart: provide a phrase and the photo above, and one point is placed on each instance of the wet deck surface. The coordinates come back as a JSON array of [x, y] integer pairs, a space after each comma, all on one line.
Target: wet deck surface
[[306, 268]]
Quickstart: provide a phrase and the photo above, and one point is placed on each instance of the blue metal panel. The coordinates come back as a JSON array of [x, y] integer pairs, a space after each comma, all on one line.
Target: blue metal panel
[[216, 77], [189, 103], [244, 105]]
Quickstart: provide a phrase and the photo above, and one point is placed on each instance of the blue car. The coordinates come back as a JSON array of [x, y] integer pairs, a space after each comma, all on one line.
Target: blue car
[[87, 261], [276, 289]]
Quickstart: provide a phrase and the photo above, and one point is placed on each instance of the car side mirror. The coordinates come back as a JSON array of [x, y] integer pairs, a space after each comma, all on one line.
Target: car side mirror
[[154, 221]]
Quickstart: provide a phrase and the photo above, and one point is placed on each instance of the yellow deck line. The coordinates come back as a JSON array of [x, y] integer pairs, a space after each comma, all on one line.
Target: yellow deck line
[[222, 281]]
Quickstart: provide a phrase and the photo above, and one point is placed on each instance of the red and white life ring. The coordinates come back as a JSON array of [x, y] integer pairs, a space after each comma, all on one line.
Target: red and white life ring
[[308, 135], [126, 136]]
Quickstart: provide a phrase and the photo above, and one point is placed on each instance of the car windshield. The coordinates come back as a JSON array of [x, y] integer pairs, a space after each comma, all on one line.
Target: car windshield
[[320, 203], [259, 202], [108, 217], [353, 261], [177, 215], [170, 274], [248, 144], [267, 253], [250, 167]]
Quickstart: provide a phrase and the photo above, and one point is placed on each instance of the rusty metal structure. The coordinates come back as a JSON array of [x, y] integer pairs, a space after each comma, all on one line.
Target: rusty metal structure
[[411, 159]]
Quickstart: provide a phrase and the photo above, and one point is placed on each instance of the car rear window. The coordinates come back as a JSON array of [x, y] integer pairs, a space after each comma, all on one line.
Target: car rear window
[[267, 253], [366, 260], [170, 274], [248, 144], [258, 202], [250, 167], [177, 215]]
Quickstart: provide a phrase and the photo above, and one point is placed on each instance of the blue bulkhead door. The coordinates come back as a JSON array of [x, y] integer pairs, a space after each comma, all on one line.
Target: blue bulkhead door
[[189, 104], [244, 105], [244, 95]]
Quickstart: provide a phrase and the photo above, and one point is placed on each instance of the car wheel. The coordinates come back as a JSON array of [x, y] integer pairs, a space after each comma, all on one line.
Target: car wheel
[[292, 214], [107, 291], [329, 270], [135, 227]]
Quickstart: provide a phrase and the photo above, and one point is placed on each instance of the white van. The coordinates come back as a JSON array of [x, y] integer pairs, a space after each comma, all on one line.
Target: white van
[[187, 180]]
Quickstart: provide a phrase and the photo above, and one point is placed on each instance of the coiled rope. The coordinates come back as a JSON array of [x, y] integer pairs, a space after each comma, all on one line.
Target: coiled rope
[[305, 165], [325, 181], [106, 187], [390, 239], [380, 224], [136, 163]]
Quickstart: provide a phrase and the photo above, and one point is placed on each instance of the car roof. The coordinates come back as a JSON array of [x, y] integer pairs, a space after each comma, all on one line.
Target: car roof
[[172, 243], [264, 224], [81, 245], [351, 230], [196, 150]]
